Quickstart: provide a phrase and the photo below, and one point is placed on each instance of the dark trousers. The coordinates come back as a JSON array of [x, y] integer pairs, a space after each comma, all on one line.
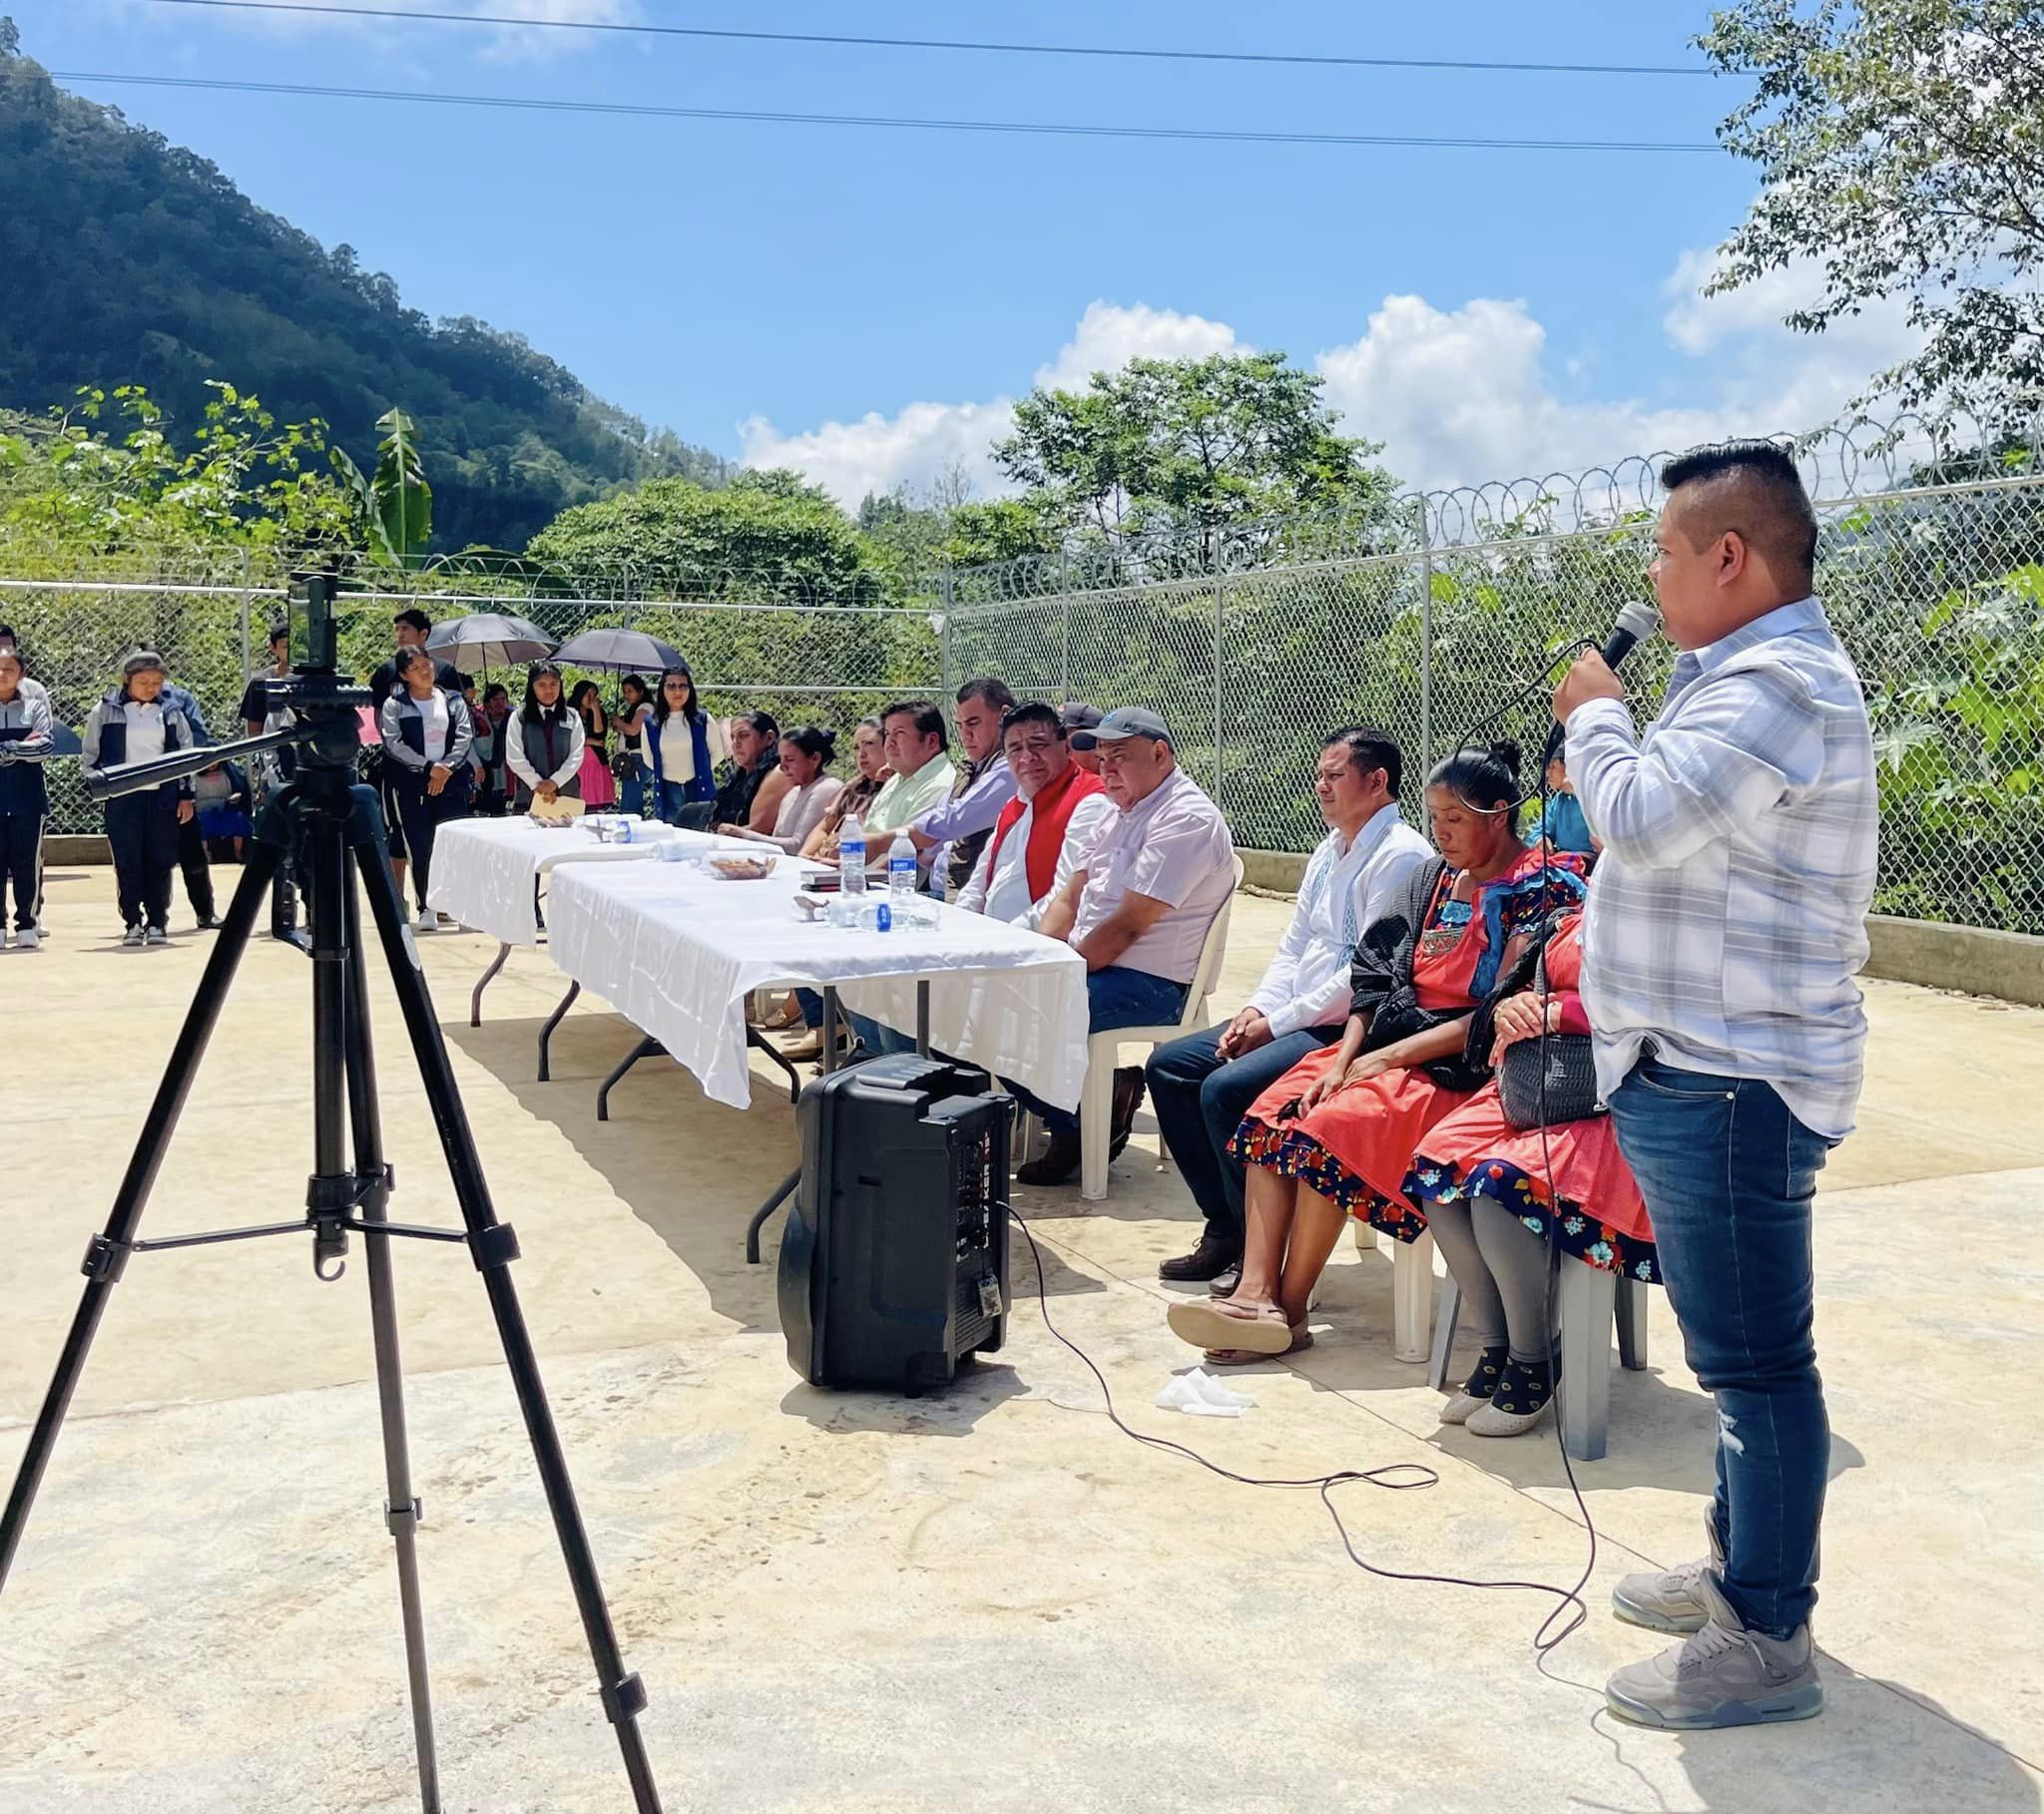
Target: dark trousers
[[422, 813], [143, 830], [1118, 996], [1200, 1102], [198, 871], [1729, 1176], [21, 863]]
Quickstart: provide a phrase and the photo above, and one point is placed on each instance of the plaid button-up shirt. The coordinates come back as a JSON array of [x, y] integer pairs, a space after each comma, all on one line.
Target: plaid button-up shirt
[[1727, 914]]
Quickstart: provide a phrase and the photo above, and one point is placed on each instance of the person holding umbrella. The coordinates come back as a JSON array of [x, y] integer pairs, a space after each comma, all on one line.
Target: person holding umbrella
[[634, 709], [427, 734]]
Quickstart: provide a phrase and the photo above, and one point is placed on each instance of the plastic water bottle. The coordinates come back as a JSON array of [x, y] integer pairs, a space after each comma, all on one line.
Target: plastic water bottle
[[901, 877], [851, 875]]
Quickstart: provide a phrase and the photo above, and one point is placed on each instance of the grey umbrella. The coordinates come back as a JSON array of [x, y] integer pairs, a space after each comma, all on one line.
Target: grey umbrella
[[630, 651], [488, 639]]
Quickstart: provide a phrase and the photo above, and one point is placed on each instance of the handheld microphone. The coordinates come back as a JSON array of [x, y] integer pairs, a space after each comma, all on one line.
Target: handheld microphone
[[1637, 620]]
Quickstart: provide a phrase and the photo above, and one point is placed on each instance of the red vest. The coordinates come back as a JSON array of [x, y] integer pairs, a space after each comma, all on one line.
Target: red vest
[[1047, 826]]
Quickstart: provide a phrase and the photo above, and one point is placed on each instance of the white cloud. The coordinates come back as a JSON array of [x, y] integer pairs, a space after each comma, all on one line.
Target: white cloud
[[879, 453], [1459, 396], [499, 43]]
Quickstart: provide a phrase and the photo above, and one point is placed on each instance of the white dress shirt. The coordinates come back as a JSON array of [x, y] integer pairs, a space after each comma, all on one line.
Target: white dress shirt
[[1727, 914], [1343, 890], [1000, 889]]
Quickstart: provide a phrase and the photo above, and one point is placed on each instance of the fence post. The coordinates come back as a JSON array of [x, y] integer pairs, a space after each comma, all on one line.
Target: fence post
[[1220, 610], [1425, 646], [248, 668], [944, 592], [1064, 624]]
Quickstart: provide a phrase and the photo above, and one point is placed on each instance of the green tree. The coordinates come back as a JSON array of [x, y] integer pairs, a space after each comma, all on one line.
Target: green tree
[[1902, 148], [1187, 446], [397, 504]]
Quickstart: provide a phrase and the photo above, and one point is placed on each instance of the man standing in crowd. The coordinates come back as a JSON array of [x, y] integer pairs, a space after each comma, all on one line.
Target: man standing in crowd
[[32, 694], [1137, 908], [274, 767], [1058, 812], [913, 736], [1725, 922], [411, 627], [957, 831], [1201, 1084]]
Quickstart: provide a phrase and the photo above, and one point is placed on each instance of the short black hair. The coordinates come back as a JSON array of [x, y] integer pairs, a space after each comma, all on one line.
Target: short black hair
[[1750, 489], [1370, 748], [996, 693], [414, 618], [1485, 775], [1035, 712], [764, 722], [406, 656], [929, 721], [279, 632], [7, 633]]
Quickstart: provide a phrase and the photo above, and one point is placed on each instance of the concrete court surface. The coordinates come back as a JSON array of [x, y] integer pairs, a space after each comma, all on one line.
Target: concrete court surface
[[991, 1600]]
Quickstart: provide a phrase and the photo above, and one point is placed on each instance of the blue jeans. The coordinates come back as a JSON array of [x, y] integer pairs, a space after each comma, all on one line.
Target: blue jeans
[[1119, 997], [674, 796], [631, 793], [1200, 1102], [1729, 1176]]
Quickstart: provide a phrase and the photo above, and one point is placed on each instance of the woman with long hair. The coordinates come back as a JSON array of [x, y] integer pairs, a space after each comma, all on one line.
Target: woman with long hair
[[635, 707], [1335, 1136], [869, 754], [543, 744], [597, 790], [684, 744], [804, 754], [427, 734]]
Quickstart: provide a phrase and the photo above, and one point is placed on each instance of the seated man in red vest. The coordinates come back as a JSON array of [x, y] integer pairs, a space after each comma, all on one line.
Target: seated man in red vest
[[1058, 810]]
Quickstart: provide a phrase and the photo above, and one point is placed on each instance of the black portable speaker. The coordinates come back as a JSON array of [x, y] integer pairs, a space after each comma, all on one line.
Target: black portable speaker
[[894, 1261]]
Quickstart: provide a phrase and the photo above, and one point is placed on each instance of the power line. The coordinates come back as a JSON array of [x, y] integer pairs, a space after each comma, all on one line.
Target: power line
[[1152, 53], [1036, 128]]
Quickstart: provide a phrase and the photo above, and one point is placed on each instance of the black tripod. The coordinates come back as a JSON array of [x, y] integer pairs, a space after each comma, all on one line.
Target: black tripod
[[333, 832]]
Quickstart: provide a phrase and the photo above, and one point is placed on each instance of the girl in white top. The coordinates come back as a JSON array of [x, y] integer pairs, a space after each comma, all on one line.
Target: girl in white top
[[684, 744], [543, 742], [804, 754]]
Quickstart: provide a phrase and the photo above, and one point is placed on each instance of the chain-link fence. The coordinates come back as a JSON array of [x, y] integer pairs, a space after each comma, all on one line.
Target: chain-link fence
[[1426, 622], [1423, 619], [750, 645]]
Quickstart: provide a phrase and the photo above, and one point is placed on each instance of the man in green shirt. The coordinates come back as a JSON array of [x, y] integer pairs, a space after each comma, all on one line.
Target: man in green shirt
[[912, 733]]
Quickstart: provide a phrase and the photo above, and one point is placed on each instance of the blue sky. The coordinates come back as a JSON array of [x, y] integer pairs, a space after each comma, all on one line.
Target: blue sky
[[863, 302]]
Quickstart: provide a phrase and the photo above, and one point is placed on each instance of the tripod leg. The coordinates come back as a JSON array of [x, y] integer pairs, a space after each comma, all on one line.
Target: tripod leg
[[401, 1510], [108, 1253], [493, 1247]]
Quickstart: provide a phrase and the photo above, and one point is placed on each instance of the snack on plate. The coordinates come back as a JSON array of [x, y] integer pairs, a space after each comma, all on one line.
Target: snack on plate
[[741, 868]]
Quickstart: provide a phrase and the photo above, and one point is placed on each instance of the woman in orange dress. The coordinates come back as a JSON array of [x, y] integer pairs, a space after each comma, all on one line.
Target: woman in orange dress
[[1334, 1136], [1494, 1195]]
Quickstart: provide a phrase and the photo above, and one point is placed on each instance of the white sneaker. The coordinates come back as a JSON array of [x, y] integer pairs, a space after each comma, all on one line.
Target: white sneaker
[[156, 935], [3, 938], [428, 920], [27, 939], [132, 938]]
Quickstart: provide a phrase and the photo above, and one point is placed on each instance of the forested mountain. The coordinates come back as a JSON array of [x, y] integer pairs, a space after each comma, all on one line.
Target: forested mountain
[[125, 260]]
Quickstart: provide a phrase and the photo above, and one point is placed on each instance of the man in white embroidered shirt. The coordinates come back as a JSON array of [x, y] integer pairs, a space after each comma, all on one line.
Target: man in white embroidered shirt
[[1201, 1086], [1725, 922]]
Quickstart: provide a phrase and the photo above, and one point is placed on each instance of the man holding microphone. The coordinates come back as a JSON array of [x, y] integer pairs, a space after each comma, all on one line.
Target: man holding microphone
[[1725, 922]]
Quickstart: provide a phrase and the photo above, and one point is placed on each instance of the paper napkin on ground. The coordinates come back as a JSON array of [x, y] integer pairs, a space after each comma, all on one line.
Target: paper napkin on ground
[[1199, 1394]]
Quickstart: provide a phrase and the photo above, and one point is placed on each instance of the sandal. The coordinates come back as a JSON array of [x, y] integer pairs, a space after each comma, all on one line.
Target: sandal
[[1220, 1323], [1301, 1339]]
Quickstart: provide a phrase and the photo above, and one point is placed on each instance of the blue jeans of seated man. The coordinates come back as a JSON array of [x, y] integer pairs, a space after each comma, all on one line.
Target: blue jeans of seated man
[[1200, 1102], [869, 1033], [1118, 997], [1728, 1175]]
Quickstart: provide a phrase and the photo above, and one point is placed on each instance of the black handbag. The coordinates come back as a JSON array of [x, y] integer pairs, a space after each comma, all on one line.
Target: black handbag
[[1542, 1082]]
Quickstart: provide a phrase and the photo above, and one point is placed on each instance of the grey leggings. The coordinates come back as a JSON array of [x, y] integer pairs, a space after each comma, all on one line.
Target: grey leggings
[[1502, 1268]]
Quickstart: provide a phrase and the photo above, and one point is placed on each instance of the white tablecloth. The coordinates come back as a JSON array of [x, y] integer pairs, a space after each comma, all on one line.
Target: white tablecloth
[[484, 869], [676, 951]]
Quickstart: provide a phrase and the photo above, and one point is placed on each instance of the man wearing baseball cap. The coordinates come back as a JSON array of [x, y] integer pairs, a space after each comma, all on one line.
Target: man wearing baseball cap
[[1077, 715], [1137, 907]]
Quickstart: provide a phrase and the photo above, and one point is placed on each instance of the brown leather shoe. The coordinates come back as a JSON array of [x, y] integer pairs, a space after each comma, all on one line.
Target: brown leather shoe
[[1058, 1163]]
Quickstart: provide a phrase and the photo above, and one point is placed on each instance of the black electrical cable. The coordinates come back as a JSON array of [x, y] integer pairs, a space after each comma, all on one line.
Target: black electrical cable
[[1027, 128], [1410, 1476], [868, 42]]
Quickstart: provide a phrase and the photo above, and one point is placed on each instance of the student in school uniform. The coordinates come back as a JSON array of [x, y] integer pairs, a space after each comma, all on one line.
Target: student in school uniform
[[543, 743], [135, 724], [24, 798], [427, 736]]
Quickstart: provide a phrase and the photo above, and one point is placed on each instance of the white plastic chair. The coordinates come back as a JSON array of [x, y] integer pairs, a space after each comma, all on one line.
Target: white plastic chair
[[1102, 1053]]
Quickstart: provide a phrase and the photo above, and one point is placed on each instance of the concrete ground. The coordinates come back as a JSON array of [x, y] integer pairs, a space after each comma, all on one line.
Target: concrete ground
[[992, 1599]]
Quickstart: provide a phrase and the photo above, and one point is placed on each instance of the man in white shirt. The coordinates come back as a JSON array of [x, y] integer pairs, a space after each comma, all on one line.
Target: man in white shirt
[[1031, 847], [1201, 1084]]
